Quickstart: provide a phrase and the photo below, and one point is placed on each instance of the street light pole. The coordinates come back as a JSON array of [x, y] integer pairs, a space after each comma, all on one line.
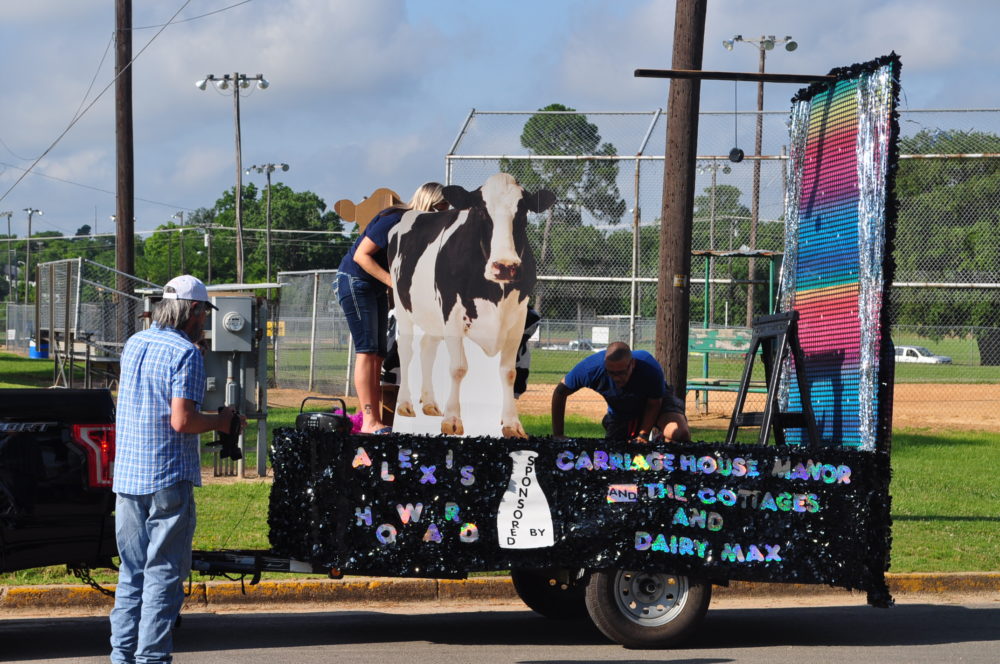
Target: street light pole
[[180, 235], [27, 255], [712, 168], [208, 247], [267, 169], [763, 45], [10, 256], [237, 80]]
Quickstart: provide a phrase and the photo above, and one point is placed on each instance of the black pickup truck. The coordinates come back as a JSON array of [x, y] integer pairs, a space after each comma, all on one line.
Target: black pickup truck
[[56, 454]]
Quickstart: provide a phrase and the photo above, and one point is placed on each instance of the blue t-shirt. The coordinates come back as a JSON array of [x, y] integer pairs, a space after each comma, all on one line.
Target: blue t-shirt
[[629, 402], [377, 231]]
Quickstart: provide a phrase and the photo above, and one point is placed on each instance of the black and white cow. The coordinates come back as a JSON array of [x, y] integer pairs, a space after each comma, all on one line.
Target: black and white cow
[[465, 272]]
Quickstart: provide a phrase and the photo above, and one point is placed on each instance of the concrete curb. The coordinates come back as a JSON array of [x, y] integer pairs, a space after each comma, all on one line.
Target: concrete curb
[[366, 591]]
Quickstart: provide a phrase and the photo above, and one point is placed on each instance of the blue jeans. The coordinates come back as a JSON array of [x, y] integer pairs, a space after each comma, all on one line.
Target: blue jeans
[[366, 307], [154, 535]]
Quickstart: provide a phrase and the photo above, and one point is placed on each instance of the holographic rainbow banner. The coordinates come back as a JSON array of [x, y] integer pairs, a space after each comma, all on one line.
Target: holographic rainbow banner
[[839, 224]]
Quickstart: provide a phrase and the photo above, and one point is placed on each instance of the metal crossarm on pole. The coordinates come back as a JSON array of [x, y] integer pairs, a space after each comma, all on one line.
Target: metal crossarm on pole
[[754, 77]]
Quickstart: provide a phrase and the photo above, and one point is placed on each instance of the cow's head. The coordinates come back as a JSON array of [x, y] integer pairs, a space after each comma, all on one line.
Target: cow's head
[[502, 206]]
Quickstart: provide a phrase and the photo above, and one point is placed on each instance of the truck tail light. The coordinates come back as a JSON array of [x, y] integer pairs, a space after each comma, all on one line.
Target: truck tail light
[[98, 442]]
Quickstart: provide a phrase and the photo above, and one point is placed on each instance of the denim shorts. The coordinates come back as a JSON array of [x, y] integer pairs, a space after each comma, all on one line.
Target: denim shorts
[[366, 307]]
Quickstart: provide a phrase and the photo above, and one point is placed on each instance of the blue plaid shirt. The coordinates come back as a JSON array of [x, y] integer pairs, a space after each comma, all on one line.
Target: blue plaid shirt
[[157, 365]]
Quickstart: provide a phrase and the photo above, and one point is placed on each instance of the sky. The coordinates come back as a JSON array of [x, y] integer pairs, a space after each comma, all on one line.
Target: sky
[[372, 93]]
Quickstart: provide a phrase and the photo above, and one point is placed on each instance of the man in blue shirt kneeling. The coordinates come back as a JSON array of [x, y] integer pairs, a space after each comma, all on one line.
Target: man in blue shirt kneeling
[[641, 406]]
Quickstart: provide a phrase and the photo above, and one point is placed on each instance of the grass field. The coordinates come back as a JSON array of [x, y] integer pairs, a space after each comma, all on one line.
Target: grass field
[[17, 371], [945, 498], [549, 366]]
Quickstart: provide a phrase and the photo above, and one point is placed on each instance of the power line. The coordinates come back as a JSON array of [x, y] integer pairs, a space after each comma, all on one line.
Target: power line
[[193, 229], [193, 18], [111, 40], [91, 104], [91, 187], [90, 87]]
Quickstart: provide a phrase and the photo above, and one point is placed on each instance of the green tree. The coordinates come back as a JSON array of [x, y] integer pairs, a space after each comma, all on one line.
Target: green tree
[[719, 219], [160, 257], [298, 211], [160, 260], [48, 246], [579, 185], [948, 213]]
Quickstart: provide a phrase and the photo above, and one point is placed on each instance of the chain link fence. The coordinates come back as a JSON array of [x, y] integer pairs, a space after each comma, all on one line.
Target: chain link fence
[[312, 347], [20, 327], [597, 249], [82, 299]]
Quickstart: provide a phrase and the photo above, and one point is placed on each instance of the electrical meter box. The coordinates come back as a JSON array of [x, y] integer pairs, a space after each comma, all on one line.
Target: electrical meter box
[[233, 324]]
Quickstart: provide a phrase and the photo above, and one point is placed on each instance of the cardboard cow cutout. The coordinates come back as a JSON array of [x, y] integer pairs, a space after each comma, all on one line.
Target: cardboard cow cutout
[[461, 281]]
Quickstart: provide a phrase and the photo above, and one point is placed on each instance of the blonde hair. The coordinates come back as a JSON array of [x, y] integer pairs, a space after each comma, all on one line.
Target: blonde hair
[[425, 197]]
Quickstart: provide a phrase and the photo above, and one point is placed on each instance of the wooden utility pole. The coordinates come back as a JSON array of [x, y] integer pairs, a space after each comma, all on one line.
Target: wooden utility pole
[[125, 208], [673, 292]]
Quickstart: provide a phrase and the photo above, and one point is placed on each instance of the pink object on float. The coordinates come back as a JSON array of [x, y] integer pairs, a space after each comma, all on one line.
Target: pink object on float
[[356, 420]]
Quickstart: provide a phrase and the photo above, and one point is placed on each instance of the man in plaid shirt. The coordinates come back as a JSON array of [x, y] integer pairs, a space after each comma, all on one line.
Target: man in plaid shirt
[[157, 466]]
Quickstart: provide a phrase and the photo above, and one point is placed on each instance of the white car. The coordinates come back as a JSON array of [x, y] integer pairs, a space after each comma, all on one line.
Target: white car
[[920, 355]]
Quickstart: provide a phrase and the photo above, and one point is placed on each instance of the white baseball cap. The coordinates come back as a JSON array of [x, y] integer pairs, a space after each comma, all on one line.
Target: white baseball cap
[[186, 287]]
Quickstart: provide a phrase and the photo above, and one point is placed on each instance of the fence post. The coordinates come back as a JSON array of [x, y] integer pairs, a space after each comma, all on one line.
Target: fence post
[[53, 347], [312, 331], [264, 313], [67, 340], [634, 290]]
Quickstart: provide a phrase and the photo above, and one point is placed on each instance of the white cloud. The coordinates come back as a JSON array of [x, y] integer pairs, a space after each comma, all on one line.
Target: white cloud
[[31, 11], [604, 49], [198, 165], [310, 50], [89, 165], [368, 93], [384, 155]]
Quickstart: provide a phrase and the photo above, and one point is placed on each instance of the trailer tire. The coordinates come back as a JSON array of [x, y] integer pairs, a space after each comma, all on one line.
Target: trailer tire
[[547, 594], [647, 609]]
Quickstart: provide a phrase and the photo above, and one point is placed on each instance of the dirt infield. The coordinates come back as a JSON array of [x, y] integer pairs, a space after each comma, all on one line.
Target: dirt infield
[[954, 407]]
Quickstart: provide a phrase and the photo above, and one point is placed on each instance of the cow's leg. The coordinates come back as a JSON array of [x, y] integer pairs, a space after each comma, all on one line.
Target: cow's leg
[[458, 366], [510, 423], [428, 351], [404, 344]]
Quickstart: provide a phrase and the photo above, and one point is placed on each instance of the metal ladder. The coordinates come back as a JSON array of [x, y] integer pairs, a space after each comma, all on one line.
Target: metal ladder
[[777, 336]]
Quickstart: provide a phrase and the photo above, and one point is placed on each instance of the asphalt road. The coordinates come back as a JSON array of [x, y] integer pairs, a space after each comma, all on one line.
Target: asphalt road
[[912, 633]]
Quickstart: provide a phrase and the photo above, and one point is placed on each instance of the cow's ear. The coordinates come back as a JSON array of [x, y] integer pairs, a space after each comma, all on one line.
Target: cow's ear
[[540, 201], [458, 197]]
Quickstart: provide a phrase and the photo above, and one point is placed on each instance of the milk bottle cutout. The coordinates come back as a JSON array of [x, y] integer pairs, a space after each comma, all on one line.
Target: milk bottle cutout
[[523, 519]]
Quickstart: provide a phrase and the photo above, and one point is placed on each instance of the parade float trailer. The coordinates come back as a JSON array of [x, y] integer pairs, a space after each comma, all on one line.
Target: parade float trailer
[[633, 536]]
